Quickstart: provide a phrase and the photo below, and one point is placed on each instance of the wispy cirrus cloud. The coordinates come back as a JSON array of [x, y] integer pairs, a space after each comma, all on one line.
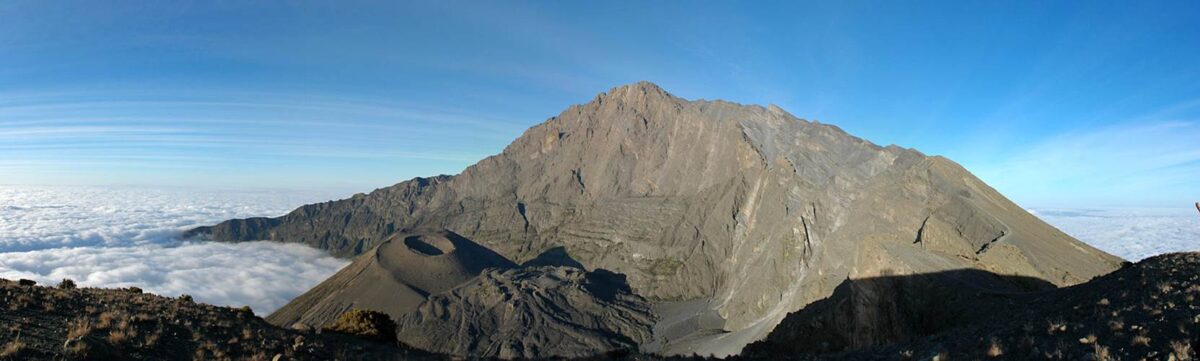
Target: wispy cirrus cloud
[[1132, 163], [44, 136]]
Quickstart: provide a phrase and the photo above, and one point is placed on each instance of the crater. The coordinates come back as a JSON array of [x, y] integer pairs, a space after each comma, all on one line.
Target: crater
[[428, 247]]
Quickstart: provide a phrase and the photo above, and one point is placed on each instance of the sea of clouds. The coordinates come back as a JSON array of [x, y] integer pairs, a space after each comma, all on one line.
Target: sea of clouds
[[130, 236], [1131, 233]]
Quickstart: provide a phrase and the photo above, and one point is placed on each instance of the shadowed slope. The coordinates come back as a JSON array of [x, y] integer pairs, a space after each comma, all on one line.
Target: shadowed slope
[[1148, 310]]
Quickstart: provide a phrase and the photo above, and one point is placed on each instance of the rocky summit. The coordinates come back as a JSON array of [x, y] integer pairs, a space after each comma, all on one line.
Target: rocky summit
[[723, 217]]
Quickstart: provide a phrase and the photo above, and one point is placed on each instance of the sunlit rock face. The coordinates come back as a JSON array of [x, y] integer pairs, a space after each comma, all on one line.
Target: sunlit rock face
[[728, 216]]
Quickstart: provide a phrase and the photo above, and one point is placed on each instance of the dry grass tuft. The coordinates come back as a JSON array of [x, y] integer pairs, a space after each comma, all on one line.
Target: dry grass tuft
[[106, 320], [1164, 287], [1056, 326], [1090, 339], [1100, 353], [20, 302], [79, 327], [1140, 340], [372, 325], [1181, 350], [994, 350], [121, 336], [12, 349]]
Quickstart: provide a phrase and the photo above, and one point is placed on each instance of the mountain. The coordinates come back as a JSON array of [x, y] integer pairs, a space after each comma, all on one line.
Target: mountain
[[726, 217]]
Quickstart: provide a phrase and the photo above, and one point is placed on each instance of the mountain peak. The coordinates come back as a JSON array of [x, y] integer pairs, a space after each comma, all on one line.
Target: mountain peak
[[638, 90]]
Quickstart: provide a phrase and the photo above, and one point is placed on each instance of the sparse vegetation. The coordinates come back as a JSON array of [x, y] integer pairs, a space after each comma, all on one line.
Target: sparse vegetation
[[1056, 326], [371, 325], [66, 284], [1101, 353], [12, 349], [1140, 340], [994, 350], [1181, 350], [1090, 339], [79, 327]]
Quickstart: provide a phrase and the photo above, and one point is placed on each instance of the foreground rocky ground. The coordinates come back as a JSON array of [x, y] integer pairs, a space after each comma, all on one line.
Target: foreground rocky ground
[[1146, 311], [57, 323]]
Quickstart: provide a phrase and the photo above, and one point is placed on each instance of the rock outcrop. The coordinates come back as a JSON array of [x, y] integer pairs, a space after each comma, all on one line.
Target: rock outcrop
[[728, 216]]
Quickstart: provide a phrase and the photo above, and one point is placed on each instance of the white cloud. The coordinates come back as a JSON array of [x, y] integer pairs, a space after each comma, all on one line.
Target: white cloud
[[1131, 233], [119, 237]]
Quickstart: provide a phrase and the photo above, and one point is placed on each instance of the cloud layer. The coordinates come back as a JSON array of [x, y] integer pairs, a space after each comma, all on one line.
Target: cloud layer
[[1130, 233], [119, 237]]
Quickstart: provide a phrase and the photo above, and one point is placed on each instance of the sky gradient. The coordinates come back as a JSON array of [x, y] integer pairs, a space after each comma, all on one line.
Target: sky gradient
[[1052, 105]]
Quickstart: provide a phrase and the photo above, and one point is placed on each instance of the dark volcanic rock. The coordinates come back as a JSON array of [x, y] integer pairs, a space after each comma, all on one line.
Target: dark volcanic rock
[[1145, 311], [532, 312], [742, 213], [43, 323]]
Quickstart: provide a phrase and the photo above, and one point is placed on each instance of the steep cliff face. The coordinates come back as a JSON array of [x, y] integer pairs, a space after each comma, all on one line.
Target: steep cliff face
[[744, 210]]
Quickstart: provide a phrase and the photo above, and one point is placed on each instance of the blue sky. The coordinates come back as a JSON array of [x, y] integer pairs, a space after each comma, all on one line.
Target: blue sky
[[1053, 105]]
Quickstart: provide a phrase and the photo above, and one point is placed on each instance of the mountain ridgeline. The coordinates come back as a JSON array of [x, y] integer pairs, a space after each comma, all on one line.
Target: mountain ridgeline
[[725, 217]]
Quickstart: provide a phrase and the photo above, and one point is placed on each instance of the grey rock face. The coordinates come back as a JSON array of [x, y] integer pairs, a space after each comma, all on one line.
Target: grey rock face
[[745, 210]]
